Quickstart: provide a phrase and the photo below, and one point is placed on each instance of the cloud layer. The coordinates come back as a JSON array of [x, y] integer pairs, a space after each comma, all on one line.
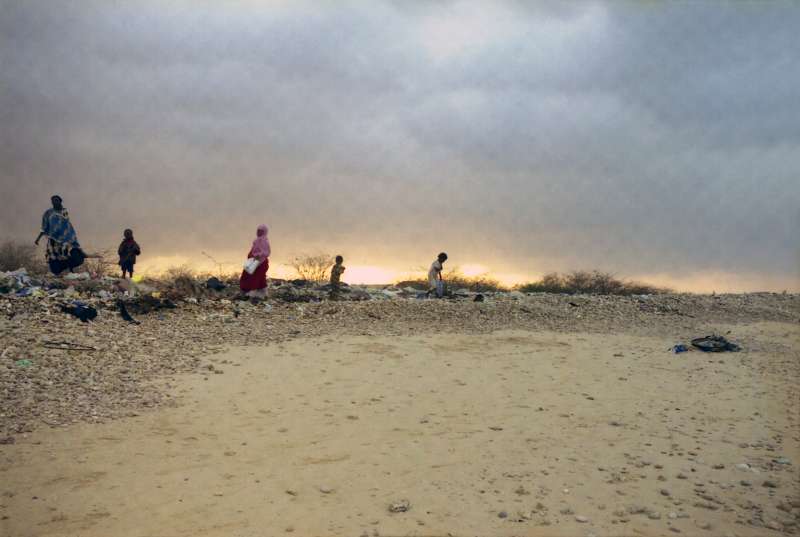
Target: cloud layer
[[635, 137]]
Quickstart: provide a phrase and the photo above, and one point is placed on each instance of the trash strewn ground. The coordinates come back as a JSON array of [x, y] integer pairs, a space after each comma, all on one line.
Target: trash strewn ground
[[103, 368]]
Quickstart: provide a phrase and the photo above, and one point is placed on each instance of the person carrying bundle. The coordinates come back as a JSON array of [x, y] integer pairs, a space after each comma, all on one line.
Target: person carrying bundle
[[254, 276]]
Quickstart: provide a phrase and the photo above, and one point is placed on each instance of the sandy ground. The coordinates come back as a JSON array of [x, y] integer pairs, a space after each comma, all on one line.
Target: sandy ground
[[511, 433]]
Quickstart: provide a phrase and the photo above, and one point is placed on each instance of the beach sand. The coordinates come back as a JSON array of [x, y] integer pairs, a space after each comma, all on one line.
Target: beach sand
[[508, 433]]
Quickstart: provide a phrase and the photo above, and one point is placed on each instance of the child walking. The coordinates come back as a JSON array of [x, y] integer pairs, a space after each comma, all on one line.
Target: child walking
[[336, 277], [128, 250]]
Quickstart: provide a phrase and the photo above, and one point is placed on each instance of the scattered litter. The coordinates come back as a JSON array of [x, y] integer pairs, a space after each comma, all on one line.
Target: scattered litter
[[123, 311], [14, 281], [80, 310], [714, 343], [215, 284], [146, 303], [75, 276], [23, 363], [679, 348]]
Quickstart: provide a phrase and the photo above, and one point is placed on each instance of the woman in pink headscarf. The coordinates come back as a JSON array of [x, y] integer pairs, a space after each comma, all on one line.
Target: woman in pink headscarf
[[256, 283]]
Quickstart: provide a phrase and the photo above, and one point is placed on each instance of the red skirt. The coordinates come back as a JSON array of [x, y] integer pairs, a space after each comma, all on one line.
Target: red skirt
[[255, 281]]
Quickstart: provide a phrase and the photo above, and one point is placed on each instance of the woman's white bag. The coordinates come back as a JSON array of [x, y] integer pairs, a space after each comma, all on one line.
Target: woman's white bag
[[251, 265]]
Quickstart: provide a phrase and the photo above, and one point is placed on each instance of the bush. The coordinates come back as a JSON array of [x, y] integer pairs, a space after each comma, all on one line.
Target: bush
[[15, 255], [589, 282], [455, 280], [314, 268], [482, 283], [100, 266], [181, 280]]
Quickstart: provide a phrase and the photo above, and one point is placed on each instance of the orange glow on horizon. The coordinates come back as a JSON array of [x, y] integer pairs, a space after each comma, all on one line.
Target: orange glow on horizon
[[701, 282]]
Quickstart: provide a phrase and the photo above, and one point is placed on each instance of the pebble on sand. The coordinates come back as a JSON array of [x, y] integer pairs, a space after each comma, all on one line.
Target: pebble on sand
[[400, 506]]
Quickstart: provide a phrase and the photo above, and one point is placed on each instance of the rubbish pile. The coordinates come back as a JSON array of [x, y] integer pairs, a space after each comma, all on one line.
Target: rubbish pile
[[712, 343]]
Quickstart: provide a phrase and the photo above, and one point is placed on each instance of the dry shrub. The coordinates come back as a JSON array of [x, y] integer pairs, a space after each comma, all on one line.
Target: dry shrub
[[482, 283], [102, 265], [314, 268], [455, 280], [589, 282], [15, 255], [181, 280]]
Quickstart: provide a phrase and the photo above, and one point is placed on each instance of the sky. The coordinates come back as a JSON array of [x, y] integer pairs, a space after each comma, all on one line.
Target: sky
[[658, 141]]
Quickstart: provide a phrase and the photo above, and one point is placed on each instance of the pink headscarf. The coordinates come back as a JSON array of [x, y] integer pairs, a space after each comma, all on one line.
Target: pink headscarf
[[261, 249]]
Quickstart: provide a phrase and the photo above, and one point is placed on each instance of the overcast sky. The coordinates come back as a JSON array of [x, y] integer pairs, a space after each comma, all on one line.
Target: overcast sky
[[638, 137]]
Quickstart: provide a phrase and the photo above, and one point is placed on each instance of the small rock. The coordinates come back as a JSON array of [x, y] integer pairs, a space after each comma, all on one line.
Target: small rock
[[665, 492], [743, 467], [745, 483], [654, 516], [581, 519], [502, 514], [769, 484], [325, 490], [718, 467], [400, 506], [782, 460], [681, 476], [673, 515]]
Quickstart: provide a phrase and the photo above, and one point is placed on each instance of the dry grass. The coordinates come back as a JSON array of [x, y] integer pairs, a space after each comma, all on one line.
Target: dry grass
[[589, 282], [15, 255]]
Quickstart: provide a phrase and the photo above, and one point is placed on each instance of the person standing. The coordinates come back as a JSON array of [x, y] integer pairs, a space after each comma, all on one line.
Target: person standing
[[336, 277], [435, 281], [128, 250], [255, 283], [63, 249]]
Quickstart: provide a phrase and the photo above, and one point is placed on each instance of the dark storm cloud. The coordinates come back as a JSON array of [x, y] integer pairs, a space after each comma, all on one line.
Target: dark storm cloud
[[635, 137]]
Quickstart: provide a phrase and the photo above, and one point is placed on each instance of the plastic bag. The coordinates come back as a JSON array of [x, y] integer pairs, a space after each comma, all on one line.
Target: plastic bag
[[251, 265], [439, 288]]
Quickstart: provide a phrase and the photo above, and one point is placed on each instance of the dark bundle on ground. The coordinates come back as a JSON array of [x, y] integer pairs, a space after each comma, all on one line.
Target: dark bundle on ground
[[589, 282]]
